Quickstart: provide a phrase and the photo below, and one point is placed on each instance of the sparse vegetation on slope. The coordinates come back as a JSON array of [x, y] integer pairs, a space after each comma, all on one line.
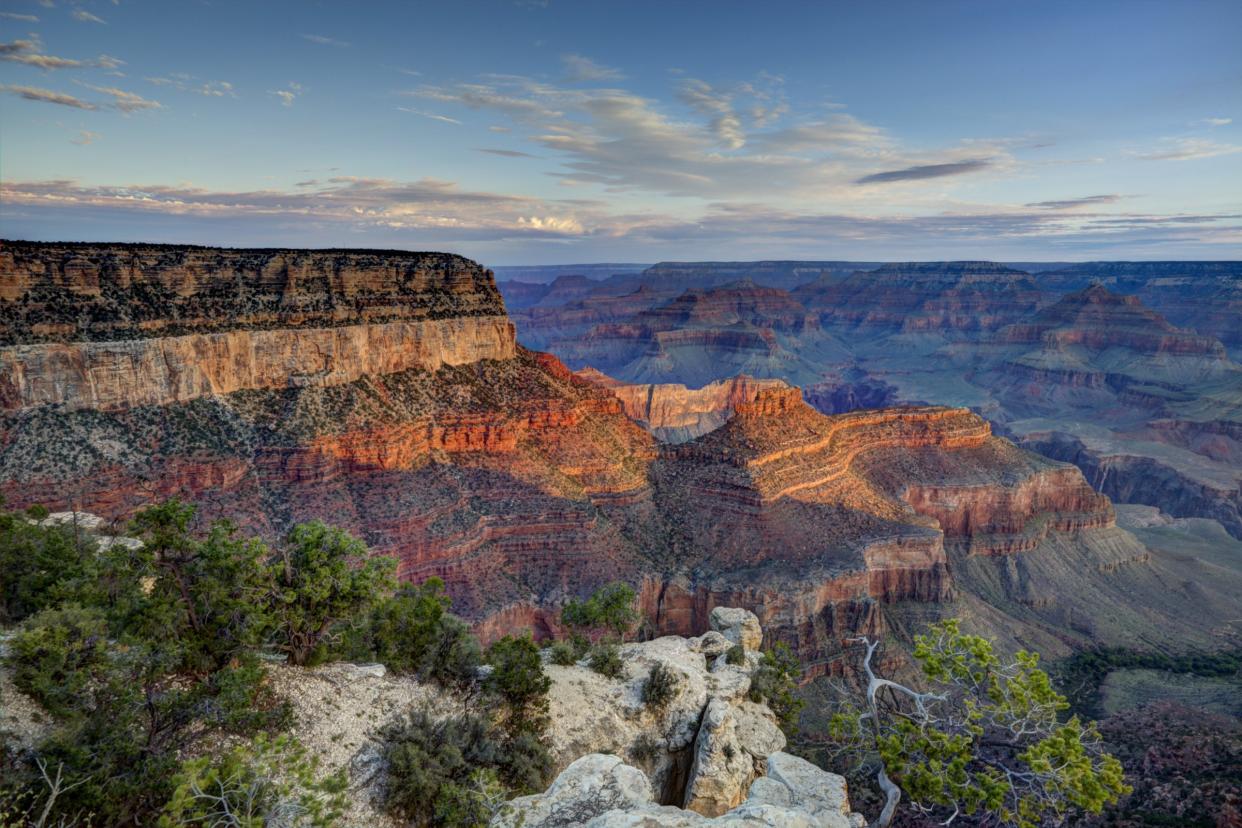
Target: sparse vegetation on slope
[[147, 654]]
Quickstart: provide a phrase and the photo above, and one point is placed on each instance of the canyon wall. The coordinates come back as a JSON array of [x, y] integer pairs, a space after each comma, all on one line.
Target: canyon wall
[[111, 327], [382, 392]]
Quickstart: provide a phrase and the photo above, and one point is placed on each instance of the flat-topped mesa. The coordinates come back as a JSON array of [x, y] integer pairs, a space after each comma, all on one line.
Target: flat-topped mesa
[[1096, 319], [925, 296], [675, 413], [112, 327], [742, 302]]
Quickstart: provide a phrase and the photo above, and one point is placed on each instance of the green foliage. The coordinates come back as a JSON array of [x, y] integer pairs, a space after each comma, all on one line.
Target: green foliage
[[239, 700], [266, 783], [661, 686], [518, 681], [211, 595], [42, 566], [1083, 673], [605, 659], [432, 765], [321, 576], [413, 632], [776, 683], [563, 653], [611, 608], [988, 738], [59, 654], [736, 655], [146, 653]]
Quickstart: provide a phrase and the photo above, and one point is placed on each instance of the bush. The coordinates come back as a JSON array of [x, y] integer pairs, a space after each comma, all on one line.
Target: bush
[[241, 700], [610, 608], [645, 748], [322, 575], [661, 686], [776, 682], [430, 764], [736, 655], [563, 653], [606, 660], [59, 654], [42, 566], [269, 782], [413, 632], [519, 682]]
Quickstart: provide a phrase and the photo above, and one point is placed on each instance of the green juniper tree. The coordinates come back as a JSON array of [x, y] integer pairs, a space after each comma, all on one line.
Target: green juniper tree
[[987, 739], [321, 576]]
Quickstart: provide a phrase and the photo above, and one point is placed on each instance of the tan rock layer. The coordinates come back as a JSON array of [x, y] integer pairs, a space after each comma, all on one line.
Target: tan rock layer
[[117, 375]]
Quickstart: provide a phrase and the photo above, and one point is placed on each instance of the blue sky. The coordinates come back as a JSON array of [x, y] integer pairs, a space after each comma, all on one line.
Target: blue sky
[[522, 131]]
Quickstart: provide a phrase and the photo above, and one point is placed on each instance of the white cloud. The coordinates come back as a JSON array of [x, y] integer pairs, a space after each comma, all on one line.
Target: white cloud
[[287, 95], [433, 116], [718, 106], [325, 41], [217, 89], [85, 137], [1189, 149], [126, 102], [24, 18], [627, 142], [35, 93], [83, 16], [581, 69], [29, 51]]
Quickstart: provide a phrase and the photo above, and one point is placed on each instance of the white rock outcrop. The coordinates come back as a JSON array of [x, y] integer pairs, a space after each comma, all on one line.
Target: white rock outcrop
[[600, 791], [738, 625], [710, 757]]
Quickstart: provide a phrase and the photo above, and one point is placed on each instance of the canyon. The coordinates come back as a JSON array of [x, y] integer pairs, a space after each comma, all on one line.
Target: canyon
[[1054, 356], [467, 456]]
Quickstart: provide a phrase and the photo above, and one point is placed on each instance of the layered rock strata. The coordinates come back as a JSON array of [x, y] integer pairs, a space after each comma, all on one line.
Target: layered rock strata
[[675, 413]]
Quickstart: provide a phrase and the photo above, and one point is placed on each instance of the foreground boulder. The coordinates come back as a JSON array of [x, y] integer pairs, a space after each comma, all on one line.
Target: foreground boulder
[[708, 756], [600, 791]]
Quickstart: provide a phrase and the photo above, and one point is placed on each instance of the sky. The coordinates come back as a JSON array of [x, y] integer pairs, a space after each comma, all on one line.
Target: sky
[[558, 131]]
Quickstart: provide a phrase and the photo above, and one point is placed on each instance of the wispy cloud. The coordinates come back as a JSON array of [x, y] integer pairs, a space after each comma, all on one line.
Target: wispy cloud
[[85, 137], [1189, 149], [628, 142], [30, 52], [1215, 122], [428, 205], [434, 212], [432, 115], [579, 69], [217, 89], [321, 40], [506, 153], [83, 16], [718, 106], [1073, 203], [925, 171], [287, 95], [126, 102], [34, 93], [24, 18]]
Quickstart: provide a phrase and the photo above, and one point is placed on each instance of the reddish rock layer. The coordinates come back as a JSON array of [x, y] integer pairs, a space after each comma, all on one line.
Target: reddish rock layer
[[675, 413]]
